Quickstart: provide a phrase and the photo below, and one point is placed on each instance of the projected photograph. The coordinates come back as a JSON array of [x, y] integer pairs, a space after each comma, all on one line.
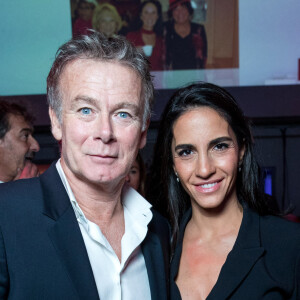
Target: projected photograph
[[184, 40]]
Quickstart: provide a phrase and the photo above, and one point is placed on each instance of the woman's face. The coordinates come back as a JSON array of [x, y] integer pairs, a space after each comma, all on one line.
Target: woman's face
[[107, 23], [206, 157], [181, 14], [133, 177], [85, 11], [149, 16]]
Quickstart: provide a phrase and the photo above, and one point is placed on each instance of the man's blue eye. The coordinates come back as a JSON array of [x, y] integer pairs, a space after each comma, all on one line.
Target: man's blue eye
[[86, 111], [123, 115]]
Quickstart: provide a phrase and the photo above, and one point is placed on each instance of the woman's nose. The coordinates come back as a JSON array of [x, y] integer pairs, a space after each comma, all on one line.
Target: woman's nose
[[205, 165]]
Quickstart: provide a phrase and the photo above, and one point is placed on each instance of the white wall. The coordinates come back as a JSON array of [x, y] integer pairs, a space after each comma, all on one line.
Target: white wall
[[30, 33], [269, 33]]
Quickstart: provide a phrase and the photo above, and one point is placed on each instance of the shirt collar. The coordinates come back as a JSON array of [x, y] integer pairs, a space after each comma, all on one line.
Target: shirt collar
[[78, 212], [138, 207]]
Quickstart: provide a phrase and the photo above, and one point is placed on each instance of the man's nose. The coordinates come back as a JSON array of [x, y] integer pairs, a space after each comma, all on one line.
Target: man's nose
[[34, 145], [104, 129]]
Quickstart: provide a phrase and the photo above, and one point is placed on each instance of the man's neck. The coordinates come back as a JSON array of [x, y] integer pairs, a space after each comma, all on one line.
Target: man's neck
[[100, 202]]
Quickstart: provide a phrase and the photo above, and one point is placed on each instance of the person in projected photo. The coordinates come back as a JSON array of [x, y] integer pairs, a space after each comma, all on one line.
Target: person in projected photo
[[137, 175], [83, 18], [148, 37], [186, 43], [228, 245], [106, 19]]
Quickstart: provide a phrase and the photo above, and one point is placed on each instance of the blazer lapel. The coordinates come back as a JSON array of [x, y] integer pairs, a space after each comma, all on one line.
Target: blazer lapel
[[66, 235], [245, 253], [155, 265]]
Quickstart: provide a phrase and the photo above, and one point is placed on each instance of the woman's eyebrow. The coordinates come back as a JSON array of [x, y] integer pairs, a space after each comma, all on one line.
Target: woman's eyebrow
[[220, 140], [183, 146]]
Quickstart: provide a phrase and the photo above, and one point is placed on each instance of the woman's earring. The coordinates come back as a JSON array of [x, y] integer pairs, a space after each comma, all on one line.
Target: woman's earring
[[177, 178], [240, 166]]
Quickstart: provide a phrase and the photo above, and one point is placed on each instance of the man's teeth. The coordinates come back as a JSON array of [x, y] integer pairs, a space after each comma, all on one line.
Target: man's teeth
[[208, 185]]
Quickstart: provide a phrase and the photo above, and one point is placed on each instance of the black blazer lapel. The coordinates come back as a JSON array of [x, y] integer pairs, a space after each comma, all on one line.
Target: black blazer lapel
[[66, 235], [155, 264], [245, 253]]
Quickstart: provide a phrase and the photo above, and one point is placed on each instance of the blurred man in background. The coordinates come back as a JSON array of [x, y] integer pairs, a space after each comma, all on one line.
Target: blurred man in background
[[17, 145]]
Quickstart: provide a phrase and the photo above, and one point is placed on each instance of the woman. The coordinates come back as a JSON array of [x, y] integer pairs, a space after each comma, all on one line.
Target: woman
[[106, 19], [83, 18], [149, 34], [186, 44], [226, 245], [137, 175]]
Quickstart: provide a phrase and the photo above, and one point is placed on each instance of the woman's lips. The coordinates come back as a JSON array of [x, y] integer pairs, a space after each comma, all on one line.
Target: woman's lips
[[209, 187]]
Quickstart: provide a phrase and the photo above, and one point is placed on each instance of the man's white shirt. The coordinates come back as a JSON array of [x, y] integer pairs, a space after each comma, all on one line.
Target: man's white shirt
[[115, 280]]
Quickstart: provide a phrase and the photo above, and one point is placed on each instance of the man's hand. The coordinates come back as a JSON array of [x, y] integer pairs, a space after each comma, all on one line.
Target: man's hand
[[30, 170]]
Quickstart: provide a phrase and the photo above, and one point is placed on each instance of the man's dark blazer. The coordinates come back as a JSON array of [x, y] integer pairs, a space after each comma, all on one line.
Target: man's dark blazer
[[263, 264], [42, 252]]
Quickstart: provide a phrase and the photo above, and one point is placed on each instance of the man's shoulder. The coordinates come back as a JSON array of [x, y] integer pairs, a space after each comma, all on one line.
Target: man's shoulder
[[25, 191]]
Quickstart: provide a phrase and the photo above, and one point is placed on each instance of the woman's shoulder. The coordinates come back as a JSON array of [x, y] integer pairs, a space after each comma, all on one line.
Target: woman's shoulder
[[279, 232], [280, 223]]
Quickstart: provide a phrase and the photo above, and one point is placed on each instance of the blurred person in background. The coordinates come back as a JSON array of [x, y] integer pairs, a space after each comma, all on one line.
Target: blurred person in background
[[17, 145], [137, 175]]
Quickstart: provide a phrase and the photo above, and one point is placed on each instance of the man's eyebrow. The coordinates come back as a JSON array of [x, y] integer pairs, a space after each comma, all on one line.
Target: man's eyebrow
[[27, 130], [94, 102], [85, 99], [129, 105]]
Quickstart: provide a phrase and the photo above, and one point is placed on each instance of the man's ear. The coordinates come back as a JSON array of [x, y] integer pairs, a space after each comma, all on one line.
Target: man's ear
[[55, 125], [143, 138]]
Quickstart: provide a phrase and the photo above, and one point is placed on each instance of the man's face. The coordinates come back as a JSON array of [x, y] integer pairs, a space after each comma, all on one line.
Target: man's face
[[16, 147], [101, 128]]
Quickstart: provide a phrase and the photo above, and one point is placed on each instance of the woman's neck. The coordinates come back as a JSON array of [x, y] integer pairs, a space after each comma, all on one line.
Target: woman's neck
[[209, 223], [146, 30], [183, 29]]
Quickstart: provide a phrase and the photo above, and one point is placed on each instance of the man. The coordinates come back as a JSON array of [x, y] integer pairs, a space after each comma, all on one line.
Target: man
[[77, 231], [17, 145]]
